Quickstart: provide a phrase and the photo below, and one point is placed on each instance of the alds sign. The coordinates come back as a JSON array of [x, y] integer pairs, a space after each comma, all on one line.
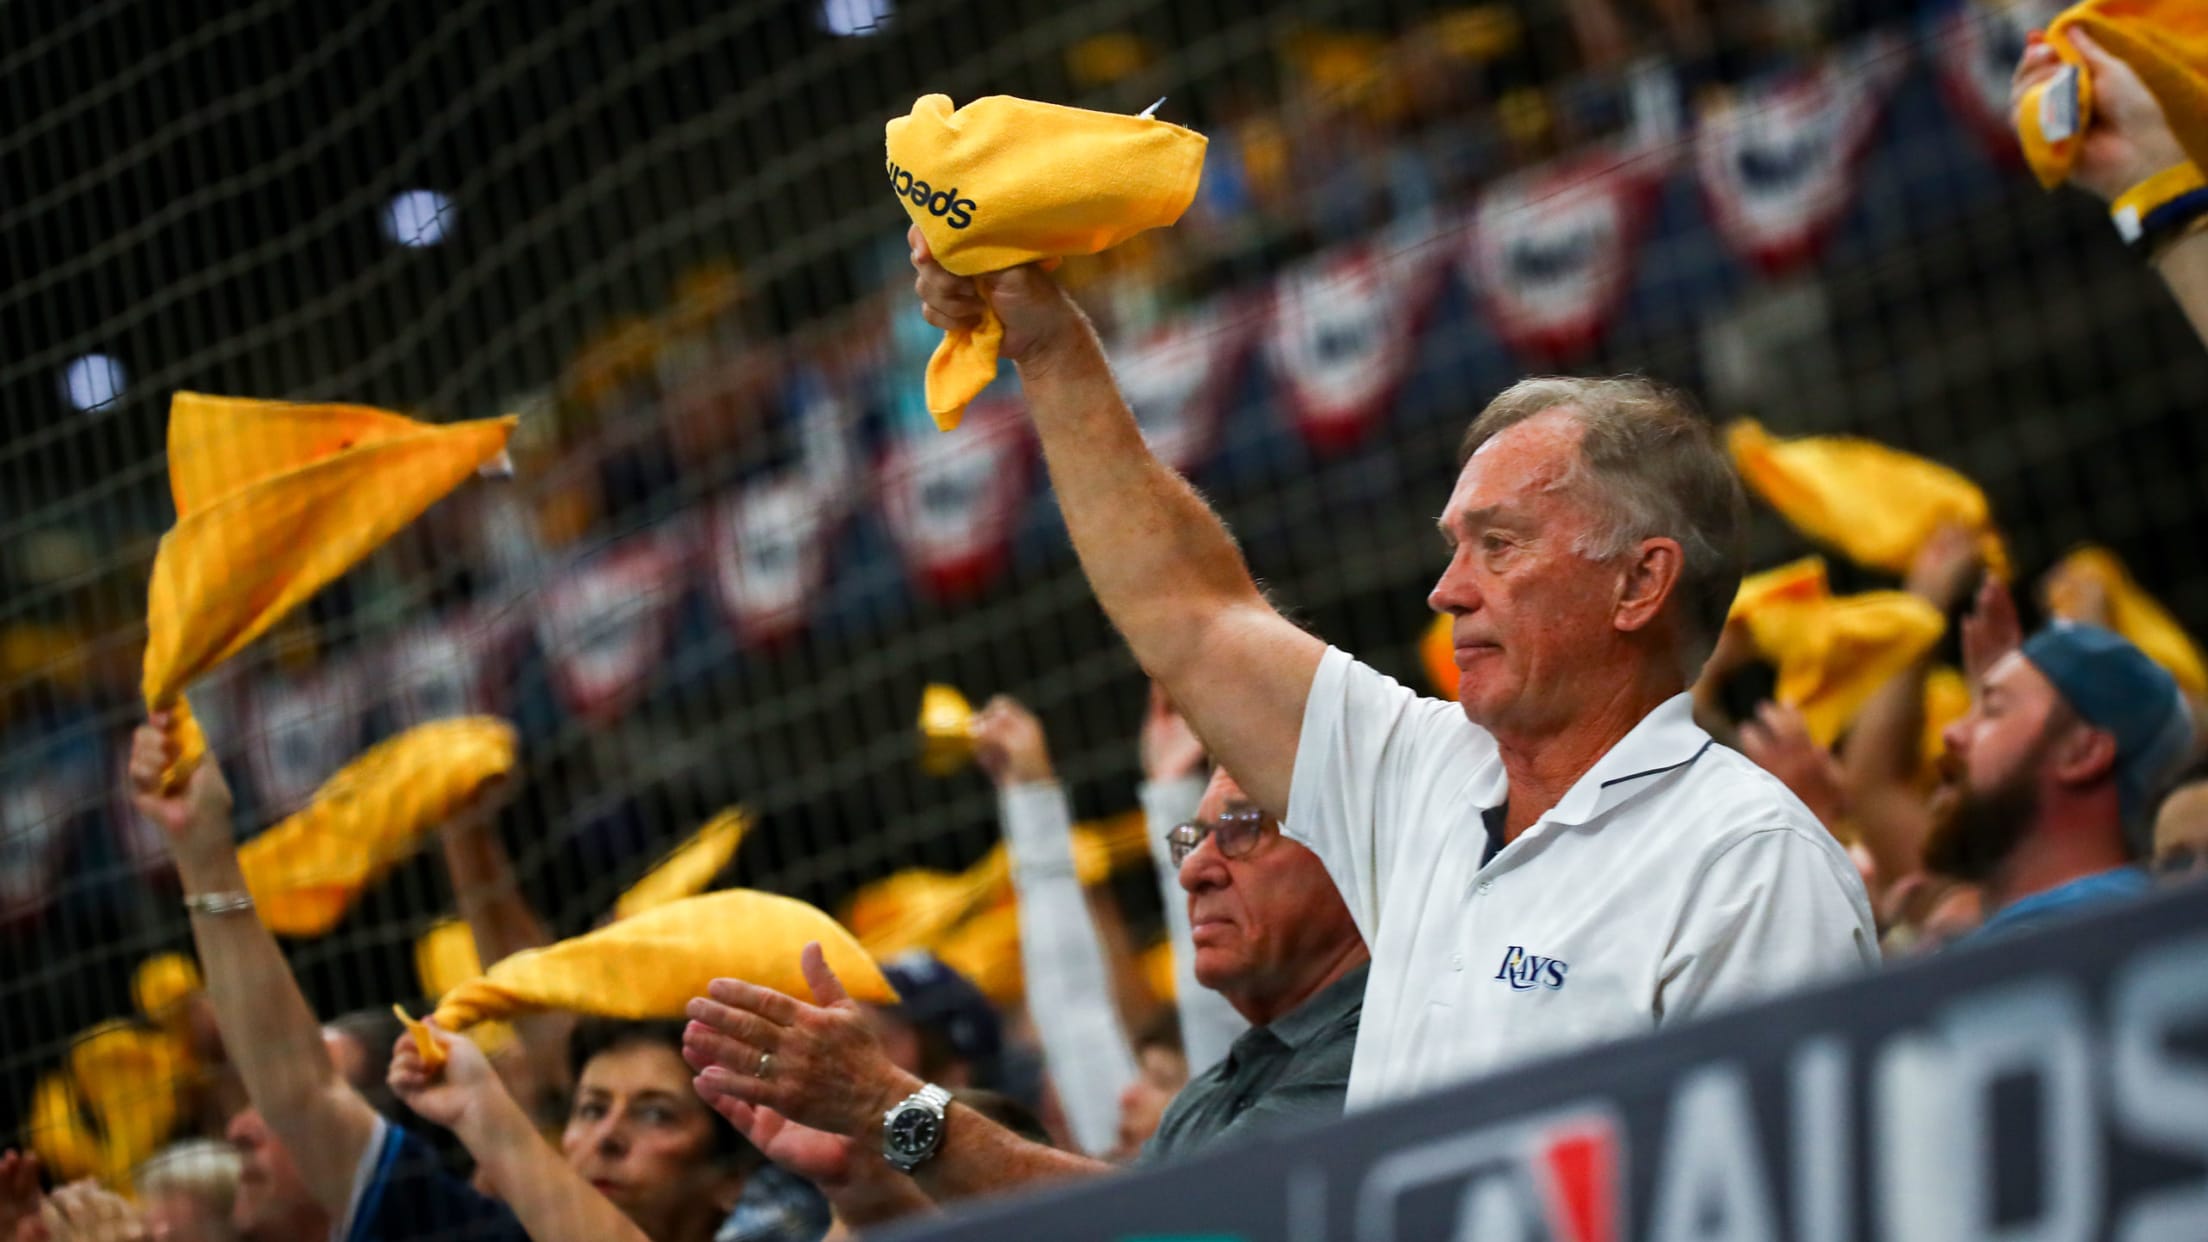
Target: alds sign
[[956, 212], [2048, 1087]]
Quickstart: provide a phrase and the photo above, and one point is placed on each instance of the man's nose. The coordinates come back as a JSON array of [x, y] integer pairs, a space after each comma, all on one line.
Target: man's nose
[[1454, 592], [1204, 869]]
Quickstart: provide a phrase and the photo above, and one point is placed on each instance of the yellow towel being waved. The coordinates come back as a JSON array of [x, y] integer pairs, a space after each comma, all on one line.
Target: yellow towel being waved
[[1876, 504], [689, 867], [1005, 181], [652, 964], [1832, 652], [274, 500], [2131, 612], [305, 872], [2164, 41]]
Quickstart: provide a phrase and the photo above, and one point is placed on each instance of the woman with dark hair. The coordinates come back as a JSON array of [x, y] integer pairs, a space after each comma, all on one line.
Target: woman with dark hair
[[636, 1133]]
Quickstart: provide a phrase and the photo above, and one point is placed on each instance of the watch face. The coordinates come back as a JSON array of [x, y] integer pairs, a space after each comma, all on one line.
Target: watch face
[[915, 1131]]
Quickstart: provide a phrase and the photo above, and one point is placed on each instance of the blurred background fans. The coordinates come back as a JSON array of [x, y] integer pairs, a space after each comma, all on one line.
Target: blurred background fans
[[734, 550]]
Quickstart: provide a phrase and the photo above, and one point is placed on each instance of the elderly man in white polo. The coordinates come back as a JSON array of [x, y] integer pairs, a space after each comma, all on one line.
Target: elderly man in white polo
[[1565, 857]]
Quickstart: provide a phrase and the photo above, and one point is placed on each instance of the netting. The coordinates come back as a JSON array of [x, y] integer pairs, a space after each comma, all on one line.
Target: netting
[[734, 550]]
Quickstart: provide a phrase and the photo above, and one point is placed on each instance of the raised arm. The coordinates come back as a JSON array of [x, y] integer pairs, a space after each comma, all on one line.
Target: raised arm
[[551, 1200], [1882, 752], [272, 1037], [2128, 140], [1069, 983], [1160, 562], [503, 923]]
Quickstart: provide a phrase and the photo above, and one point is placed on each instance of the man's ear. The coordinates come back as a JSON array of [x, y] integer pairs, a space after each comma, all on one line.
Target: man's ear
[[1651, 576], [2085, 756]]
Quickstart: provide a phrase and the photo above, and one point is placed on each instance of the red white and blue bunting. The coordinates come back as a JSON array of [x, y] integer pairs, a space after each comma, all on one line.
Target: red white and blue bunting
[[36, 809], [1344, 332], [302, 727], [767, 550], [1177, 378], [604, 624], [953, 501], [1551, 250], [1778, 160], [444, 667], [1975, 49]]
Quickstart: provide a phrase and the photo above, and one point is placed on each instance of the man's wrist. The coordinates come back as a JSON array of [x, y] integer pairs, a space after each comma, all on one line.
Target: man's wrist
[[896, 1087], [1064, 353], [209, 868]]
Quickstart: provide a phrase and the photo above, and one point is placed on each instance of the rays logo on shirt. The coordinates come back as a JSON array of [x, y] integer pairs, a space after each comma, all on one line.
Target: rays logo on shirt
[[1525, 971]]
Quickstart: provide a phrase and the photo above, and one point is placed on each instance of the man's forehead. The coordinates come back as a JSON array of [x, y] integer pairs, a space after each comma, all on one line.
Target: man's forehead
[[1528, 457], [2019, 680]]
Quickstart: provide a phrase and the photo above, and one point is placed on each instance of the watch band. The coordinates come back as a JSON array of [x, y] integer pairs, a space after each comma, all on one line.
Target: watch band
[[233, 902]]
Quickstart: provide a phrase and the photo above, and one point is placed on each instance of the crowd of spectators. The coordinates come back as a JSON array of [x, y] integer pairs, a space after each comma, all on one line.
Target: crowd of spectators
[[1330, 847]]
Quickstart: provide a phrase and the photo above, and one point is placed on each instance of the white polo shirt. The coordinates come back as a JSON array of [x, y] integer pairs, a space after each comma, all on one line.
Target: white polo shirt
[[1676, 876]]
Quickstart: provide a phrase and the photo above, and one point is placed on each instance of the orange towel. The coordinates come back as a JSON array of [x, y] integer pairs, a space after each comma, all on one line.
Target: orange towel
[[2164, 41], [273, 501]]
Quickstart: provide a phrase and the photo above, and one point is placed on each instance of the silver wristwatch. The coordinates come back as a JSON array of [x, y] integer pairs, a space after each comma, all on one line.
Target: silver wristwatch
[[912, 1131]]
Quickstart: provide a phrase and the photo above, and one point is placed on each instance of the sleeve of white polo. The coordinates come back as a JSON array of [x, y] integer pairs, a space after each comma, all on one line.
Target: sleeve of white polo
[[1356, 778], [1770, 913], [1069, 982]]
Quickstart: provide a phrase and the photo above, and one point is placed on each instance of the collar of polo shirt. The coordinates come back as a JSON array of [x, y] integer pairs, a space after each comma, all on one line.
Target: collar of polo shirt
[[1665, 739]]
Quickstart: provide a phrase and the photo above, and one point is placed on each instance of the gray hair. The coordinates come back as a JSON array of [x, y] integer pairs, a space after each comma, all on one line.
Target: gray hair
[[1652, 466], [200, 1168]]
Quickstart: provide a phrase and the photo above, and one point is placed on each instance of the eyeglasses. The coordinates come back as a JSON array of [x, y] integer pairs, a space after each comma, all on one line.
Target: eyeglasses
[[1238, 832], [2180, 860]]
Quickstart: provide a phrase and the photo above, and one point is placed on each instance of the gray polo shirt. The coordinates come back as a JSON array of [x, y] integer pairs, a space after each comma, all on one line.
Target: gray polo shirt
[[1292, 1072]]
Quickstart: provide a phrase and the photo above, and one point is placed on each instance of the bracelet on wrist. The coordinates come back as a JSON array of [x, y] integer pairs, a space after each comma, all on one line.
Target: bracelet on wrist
[[2160, 209], [232, 902]]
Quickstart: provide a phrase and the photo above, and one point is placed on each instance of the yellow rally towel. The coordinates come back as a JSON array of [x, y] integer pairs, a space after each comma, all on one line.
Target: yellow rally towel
[[2132, 613], [1437, 650], [162, 983], [689, 868], [1878, 505], [1946, 699], [305, 872], [1157, 970], [113, 1108], [273, 501], [946, 730], [2164, 41], [922, 909], [986, 949], [651, 965], [1005, 181], [1832, 654], [445, 957], [1796, 582]]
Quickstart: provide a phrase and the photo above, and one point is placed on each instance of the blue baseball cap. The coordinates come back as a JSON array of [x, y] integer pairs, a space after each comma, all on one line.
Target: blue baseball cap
[[936, 997], [2113, 686]]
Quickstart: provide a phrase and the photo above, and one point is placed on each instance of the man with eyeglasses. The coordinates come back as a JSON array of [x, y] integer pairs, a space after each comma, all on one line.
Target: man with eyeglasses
[[1271, 934]]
